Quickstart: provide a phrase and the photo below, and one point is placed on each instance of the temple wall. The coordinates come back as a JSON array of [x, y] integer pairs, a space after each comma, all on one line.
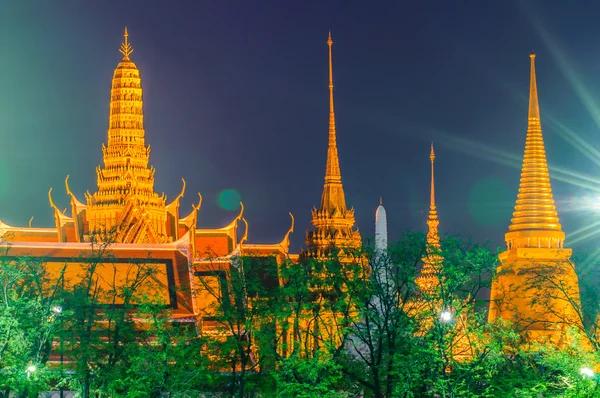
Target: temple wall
[[115, 269], [538, 292], [215, 245]]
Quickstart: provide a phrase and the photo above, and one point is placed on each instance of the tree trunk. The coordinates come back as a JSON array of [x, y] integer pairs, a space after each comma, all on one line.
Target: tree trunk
[[86, 385]]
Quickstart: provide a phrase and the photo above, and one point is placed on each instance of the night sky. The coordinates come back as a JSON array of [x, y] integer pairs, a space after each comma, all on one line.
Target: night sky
[[235, 97]]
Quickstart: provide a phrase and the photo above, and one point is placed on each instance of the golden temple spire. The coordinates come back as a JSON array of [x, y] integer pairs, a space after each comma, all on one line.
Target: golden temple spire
[[433, 259], [333, 173], [432, 193], [125, 195], [535, 209], [433, 238], [333, 192], [333, 222], [126, 48], [535, 242]]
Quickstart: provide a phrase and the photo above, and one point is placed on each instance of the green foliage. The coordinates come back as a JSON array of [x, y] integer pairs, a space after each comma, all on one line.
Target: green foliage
[[355, 324], [308, 377], [30, 316]]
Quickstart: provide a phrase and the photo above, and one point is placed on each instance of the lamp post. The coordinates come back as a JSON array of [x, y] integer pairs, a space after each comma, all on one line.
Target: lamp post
[[587, 372], [446, 316], [57, 309], [30, 369]]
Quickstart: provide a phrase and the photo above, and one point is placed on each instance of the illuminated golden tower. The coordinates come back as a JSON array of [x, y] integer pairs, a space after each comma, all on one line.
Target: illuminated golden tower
[[428, 279], [522, 291], [333, 222], [125, 200]]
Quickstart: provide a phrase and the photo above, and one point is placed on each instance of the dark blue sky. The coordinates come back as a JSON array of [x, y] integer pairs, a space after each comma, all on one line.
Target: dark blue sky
[[235, 96]]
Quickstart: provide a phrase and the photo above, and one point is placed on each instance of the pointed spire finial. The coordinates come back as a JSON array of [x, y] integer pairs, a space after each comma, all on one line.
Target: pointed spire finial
[[126, 48], [331, 110], [333, 200], [432, 199], [332, 173], [433, 261], [534, 107], [380, 201]]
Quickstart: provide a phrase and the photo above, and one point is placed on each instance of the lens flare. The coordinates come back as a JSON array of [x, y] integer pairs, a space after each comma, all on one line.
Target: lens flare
[[499, 156], [229, 199]]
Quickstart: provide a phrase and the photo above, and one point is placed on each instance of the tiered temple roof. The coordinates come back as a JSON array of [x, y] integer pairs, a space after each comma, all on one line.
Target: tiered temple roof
[[333, 222], [139, 224], [428, 279]]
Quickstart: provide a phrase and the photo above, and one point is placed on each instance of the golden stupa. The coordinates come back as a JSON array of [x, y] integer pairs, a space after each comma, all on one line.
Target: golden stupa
[[524, 290]]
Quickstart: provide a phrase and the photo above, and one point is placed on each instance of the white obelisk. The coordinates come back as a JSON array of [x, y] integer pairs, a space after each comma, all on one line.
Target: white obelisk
[[381, 237]]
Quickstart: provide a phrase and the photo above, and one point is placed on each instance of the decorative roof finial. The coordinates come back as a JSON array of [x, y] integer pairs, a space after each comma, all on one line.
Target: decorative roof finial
[[433, 260], [432, 199], [534, 107], [332, 173], [126, 48], [380, 201]]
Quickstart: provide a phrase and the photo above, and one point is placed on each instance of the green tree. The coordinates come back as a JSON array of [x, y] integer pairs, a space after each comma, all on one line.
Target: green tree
[[31, 313], [409, 342], [116, 324], [239, 320]]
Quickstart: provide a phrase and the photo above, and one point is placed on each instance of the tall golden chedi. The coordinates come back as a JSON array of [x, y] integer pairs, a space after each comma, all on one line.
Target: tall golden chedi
[[428, 279], [125, 200], [333, 222], [536, 279]]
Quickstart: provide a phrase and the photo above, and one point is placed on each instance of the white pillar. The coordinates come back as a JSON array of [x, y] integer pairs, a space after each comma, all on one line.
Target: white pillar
[[381, 237]]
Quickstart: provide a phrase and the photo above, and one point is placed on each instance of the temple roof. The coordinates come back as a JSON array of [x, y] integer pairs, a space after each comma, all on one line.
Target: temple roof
[[432, 260], [333, 222], [86, 245]]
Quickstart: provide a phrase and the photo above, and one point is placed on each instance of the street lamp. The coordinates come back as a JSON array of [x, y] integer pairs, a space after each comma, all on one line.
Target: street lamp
[[587, 372], [30, 370], [446, 316]]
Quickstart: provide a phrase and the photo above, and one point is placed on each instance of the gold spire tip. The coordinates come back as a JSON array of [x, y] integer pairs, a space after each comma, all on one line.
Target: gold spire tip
[[532, 54], [329, 41], [126, 48], [432, 198], [380, 201]]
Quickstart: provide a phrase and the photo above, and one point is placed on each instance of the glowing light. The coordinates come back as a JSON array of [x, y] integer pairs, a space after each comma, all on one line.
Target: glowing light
[[229, 199], [57, 309], [489, 153], [587, 372], [30, 369], [446, 316], [561, 57]]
